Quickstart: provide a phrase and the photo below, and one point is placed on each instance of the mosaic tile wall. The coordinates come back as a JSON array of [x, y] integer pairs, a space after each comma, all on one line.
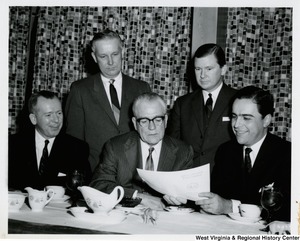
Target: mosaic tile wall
[[156, 42], [157, 49], [18, 43], [259, 52]]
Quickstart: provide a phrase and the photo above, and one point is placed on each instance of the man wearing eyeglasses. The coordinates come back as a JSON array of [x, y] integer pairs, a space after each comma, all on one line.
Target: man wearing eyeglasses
[[146, 148]]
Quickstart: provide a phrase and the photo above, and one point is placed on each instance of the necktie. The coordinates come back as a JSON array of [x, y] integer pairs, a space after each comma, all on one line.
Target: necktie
[[114, 100], [208, 106], [149, 162], [248, 159], [44, 158]]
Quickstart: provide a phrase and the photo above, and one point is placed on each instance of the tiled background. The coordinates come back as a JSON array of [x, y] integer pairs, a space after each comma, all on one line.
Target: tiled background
[[157, 50]]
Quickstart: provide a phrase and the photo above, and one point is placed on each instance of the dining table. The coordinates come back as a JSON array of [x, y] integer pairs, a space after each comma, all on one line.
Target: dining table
[[58, 219]]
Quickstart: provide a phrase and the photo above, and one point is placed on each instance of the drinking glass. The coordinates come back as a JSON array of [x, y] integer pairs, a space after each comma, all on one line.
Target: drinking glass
[[74, 180], [271, 201]]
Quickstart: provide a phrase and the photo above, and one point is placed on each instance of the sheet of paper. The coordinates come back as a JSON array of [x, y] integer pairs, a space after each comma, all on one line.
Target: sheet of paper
[[186, 183]]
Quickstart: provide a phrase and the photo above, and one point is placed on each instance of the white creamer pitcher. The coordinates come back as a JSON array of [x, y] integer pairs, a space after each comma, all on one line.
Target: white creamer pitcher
[[99, 201], [39, 199]]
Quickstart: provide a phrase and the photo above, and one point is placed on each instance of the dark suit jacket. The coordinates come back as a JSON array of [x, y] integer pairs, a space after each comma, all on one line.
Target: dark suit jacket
[[67, 153], [187, 123], [272, 164], [89, 114], [122, 155]]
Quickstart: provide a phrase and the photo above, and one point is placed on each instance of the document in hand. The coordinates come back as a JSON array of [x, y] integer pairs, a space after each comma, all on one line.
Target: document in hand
[[186, 183]]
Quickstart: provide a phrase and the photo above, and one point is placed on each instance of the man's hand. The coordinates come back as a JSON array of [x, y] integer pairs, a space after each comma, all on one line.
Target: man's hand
[[280, 228], [151, 201], [214, 203], [174, 200]]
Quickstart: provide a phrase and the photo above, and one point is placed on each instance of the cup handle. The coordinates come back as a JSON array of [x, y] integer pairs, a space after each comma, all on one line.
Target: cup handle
[[50, 194], [121, 189]]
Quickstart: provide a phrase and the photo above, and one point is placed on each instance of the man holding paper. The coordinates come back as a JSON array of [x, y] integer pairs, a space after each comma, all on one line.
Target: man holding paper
[[146, 148], [234, 180]]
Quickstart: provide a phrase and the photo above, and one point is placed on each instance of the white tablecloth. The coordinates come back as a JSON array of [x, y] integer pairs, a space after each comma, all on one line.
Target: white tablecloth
[[167, 223]]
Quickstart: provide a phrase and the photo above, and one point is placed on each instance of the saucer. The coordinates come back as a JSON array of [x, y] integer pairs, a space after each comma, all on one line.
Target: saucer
[[178, 209], [60, 200], [238, 217], [113, 217], [135, 209]]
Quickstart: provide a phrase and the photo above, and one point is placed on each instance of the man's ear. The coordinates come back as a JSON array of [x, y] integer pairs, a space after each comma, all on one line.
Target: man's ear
[[32, 118], [94, 56], [224, 70], [133, 119], [267, 120], [166, 119]]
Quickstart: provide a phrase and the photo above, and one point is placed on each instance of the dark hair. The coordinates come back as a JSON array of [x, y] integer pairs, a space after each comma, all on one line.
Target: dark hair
[[34, 98], [208, 49], [263, 99], [105, 34]]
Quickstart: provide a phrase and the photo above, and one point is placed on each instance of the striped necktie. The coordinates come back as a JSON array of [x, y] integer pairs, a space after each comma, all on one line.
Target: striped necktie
[[114, 100], [149, 162]]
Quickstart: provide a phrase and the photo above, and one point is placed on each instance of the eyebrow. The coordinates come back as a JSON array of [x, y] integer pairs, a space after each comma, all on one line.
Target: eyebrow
[[244, 115]]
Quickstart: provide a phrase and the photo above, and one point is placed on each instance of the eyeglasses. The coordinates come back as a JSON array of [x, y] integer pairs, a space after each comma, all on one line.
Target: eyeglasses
[[144, 122]]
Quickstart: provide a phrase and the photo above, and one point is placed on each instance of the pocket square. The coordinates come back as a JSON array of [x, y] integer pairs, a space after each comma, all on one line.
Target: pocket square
[[225, 118], [60, 174]]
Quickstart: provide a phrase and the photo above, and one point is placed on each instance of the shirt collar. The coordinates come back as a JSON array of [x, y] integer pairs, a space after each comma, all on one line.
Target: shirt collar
[[255, 148], [146, 146], [214, 93], [118, 79], [39, 139]]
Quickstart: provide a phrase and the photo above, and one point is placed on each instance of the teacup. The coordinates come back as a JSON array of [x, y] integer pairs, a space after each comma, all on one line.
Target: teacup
[[59, 191], [250, 210], [15, 201], [39, 199]]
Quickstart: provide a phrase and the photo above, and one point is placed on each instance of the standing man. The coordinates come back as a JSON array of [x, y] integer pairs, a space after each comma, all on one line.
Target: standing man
[[256, 158], [44, 155], [147, 148], [202, 118], [99, 107]]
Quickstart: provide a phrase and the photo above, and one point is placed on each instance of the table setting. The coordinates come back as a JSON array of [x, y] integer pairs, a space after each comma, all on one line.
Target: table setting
[[104, 213]]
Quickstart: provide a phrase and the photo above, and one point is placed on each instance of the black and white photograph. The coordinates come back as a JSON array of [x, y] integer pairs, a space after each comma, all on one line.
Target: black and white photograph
[[153, 121]]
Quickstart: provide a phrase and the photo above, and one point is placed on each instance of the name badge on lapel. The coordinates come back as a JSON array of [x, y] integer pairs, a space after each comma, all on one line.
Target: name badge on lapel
[[225, 118]]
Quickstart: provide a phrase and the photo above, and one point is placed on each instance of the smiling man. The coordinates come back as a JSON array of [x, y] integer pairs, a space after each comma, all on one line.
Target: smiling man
[[147, 148], [44, 155], [255, 159]]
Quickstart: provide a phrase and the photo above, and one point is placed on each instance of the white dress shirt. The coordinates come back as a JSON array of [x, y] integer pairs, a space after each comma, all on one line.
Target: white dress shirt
[[40, 144], [253, 154], [255, 149], [214, 95], [155, 154], [117, 84]]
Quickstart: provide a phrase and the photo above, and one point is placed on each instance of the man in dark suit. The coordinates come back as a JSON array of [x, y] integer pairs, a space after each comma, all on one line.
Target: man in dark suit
[[43, 155], [91, 112], [146, 148], [237, 178], [204, 126]]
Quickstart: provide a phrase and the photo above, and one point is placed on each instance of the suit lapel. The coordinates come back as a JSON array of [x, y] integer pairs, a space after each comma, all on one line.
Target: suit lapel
[[133, 153], [100, 94], [221, 104], [32, 161], [124, 98], [167, 155], [198, 109], [261, 163]]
